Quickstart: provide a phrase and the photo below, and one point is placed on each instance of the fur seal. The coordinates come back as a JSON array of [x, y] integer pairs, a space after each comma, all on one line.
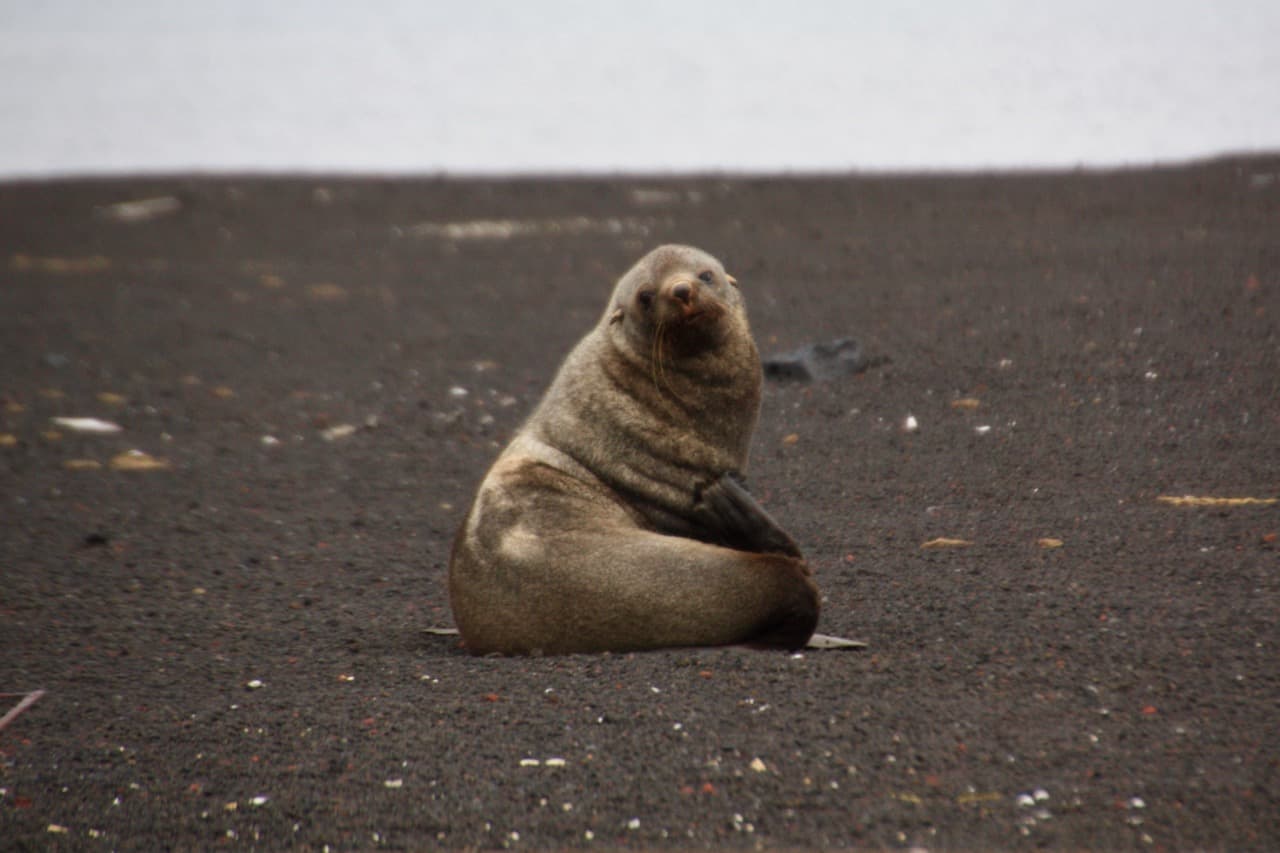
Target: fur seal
[[615, 520]]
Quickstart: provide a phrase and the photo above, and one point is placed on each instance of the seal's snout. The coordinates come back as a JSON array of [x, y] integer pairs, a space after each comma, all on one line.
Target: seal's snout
[[684, 298]]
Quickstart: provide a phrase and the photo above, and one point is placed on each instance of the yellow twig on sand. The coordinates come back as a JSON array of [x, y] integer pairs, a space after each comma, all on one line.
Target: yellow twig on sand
[[944, 542], [1196, 500], [28, 700]]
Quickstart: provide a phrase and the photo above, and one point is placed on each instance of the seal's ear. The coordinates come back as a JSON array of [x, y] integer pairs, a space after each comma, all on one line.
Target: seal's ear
[[616, 316], [731, 279]]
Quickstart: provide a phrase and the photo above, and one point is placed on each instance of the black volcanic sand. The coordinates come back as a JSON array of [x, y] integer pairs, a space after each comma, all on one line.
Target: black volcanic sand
[[1120, 333]]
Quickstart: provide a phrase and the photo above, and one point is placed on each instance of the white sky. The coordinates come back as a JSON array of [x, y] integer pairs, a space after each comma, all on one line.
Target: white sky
[[673, 85]]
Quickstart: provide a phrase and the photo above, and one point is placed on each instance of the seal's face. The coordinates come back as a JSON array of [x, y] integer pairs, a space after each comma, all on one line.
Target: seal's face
[[678, 299]]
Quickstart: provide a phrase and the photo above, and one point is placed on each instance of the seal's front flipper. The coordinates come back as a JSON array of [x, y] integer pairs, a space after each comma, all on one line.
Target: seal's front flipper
[[741, 522], [826, 641]]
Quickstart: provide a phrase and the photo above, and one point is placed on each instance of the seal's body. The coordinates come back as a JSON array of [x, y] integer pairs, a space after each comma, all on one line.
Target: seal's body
[[614, 520]]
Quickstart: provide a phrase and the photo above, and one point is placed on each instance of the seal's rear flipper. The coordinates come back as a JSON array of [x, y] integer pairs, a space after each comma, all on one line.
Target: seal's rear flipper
[[826, 641]]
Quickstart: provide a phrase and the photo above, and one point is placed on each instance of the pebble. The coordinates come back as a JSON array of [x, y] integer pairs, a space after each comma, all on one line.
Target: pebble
[[819, 362], [141, 210], [327, 291], [137, 460], [334, 433]]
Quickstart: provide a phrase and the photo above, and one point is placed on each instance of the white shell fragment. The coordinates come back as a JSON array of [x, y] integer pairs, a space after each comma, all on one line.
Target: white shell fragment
[[827, 641], [334, 433], [89, 425]]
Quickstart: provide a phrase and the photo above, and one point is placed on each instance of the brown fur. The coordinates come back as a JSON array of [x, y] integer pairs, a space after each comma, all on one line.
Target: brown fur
[[608, 523]]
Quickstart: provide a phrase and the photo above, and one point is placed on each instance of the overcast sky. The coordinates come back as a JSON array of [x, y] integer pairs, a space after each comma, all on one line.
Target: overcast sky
[[557, 85]]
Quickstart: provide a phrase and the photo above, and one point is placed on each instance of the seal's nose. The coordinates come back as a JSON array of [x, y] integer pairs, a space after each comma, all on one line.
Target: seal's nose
[[682, 292]]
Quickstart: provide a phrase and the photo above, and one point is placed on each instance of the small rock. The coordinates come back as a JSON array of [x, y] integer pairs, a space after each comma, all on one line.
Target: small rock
[[327, 291], [136, 460], [141, 210], [334, 433], [820, 362]]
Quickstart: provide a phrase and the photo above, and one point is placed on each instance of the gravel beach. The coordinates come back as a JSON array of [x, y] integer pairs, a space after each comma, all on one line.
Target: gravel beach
[[1049, 505]]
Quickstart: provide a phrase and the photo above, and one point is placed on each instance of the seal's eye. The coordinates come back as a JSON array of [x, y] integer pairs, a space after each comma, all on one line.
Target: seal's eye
[[705, 275], [644, 298]]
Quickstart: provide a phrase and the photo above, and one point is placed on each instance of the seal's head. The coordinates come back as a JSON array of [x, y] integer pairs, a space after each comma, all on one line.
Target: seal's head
[[679, 299]]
